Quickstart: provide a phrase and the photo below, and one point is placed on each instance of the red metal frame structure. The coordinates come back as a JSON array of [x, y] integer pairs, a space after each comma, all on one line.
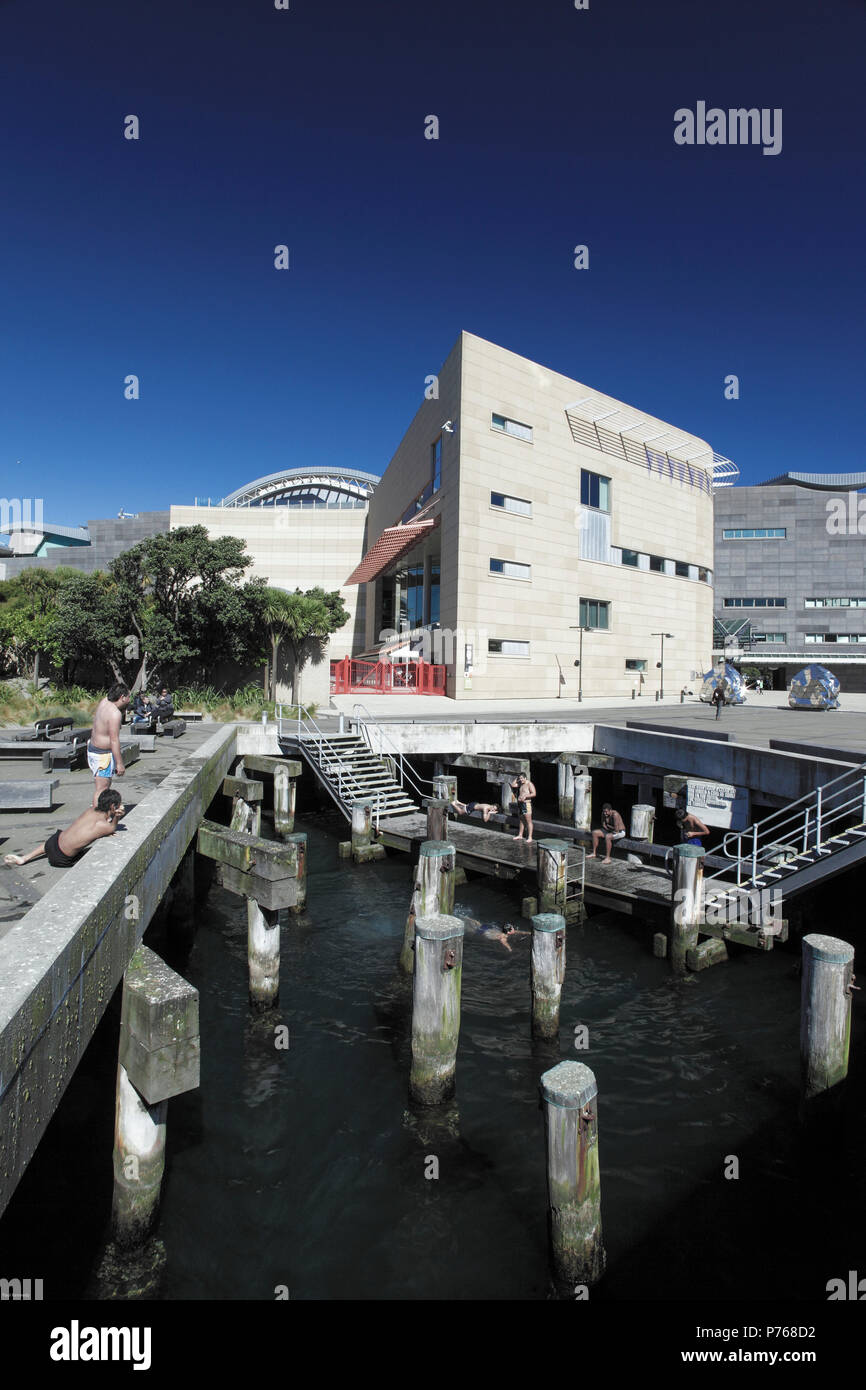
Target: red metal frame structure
[[349, 676]]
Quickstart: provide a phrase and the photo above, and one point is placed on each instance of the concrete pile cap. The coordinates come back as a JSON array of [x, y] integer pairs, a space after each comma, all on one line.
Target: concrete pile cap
[[570, 1085], [438, 928], [548, 921], [690, 851], [433, 848], [829, 949], [553, 844]]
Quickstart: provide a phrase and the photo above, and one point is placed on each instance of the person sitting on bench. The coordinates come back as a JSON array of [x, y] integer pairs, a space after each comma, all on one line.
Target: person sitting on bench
[[142, 709], [65, 847], [164, 708]]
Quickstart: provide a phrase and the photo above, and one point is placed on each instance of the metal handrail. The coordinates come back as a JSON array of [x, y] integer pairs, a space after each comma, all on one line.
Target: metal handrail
[[319, 741], [759, 845], [362, 717]]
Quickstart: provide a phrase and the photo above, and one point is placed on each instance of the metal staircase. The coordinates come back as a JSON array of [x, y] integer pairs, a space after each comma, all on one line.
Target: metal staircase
[[805, 843], [349, 769]]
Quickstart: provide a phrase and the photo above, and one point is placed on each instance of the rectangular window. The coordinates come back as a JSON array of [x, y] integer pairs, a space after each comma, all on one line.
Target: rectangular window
[[754, 533], [518, 505], [755, 603], [681, 569], [769, 637], [630, 557], [594, 490], [594, 613], [497, 646], [703, 575], [436, 463], [513, 427], [835, 603], [657, 564], [634, 665], [511, 569]]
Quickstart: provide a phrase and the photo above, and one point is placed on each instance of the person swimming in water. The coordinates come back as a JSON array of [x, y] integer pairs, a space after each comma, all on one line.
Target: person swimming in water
[[491, 932]]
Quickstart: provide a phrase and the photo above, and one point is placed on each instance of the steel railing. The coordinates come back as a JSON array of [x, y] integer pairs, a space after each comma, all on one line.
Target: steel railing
[[803, 827], [403, 772], [316, 742]]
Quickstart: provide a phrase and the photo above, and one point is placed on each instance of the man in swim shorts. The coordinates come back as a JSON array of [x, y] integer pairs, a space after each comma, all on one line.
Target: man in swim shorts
[[524, 791], [466, 808], [692, 829], [103, 750], [65, 847]]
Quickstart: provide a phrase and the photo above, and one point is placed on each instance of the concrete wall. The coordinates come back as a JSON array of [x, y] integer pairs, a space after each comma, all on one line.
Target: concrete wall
[[298, 548], [108, 539], [61, 964]]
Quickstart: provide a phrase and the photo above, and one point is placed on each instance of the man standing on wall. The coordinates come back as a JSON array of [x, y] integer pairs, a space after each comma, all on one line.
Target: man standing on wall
[[103, 749]]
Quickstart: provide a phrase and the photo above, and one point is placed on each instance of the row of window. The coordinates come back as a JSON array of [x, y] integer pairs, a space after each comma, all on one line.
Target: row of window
[[836, 636], [835, 602], [754, 533], [756, 603]]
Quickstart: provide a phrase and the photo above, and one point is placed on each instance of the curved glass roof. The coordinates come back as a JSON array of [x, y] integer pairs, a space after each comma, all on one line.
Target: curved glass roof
[[831, 481], [311, 487]]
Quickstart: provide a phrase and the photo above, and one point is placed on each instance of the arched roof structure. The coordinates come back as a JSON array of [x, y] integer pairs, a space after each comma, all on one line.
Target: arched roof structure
[[311, 487]]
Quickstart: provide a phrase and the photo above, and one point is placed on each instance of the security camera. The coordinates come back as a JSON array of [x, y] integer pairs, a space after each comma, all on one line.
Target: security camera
[[448, 427]]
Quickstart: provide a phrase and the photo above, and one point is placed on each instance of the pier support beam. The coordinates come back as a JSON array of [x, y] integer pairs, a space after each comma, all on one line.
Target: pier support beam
[[552, 872], [565, 790], [299, 838], [363, 847], [570, 1093], [436, 1008], [547, 973], [285, 791], [432, 894], [582, 792], [158, 1058], [687, 892], [825, 1018]]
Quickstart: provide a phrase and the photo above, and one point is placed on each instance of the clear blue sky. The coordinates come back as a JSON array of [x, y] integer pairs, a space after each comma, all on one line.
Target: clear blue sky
[[306, 127]]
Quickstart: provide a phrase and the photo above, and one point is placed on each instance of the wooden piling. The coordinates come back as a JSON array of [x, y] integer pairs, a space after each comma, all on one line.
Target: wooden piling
[[285, 790], [582, 812], [246, 816], [642, 822], [552, 870], [506, 795], [570, 1093], [158, 1057], [687, 892], [263, 954], [432, 893], [435, 1008], [445, 787], [565, 790], [437, 817], [363, 848], [299, 838], [825, 1016], [547, 973]]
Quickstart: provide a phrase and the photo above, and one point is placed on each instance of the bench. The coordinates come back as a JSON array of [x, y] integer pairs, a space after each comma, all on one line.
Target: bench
[[189, 714], [173, 728], [46, 726], [63, 755], [28, 796]]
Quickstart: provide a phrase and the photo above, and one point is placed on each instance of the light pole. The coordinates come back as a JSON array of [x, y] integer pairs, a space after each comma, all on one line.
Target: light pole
[[662, 635], [581, 629]]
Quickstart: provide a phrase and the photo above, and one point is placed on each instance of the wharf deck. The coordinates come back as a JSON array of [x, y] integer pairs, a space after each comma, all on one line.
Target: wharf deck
[[637, 890]]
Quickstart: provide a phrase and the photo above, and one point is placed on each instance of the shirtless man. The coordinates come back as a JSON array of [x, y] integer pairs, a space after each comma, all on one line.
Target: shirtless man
[[466, 808], [103, 750], [612, 828], [691, 828], [65, 846], [524, 791]]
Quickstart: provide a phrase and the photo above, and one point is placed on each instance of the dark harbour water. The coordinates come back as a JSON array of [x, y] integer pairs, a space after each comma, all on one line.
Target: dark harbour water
[[306, 1168]]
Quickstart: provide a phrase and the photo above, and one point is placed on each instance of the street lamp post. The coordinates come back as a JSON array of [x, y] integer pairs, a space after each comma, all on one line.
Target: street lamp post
[[581, 629], [662, 635]]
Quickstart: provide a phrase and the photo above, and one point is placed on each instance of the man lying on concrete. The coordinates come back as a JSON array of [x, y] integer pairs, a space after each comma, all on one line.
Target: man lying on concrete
[[65, 847], [466, 808]]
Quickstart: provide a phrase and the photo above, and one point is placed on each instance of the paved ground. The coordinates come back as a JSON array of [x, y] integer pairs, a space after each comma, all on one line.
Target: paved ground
[[21, 831], [756, 722]]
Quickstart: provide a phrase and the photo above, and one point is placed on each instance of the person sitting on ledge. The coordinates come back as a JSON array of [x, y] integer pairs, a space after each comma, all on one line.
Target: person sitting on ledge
[[142, 709], [466, 808], [612, 828], [65, 847]]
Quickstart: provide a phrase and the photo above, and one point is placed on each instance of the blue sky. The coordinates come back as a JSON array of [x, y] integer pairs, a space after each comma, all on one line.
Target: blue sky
[[306, 127]]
